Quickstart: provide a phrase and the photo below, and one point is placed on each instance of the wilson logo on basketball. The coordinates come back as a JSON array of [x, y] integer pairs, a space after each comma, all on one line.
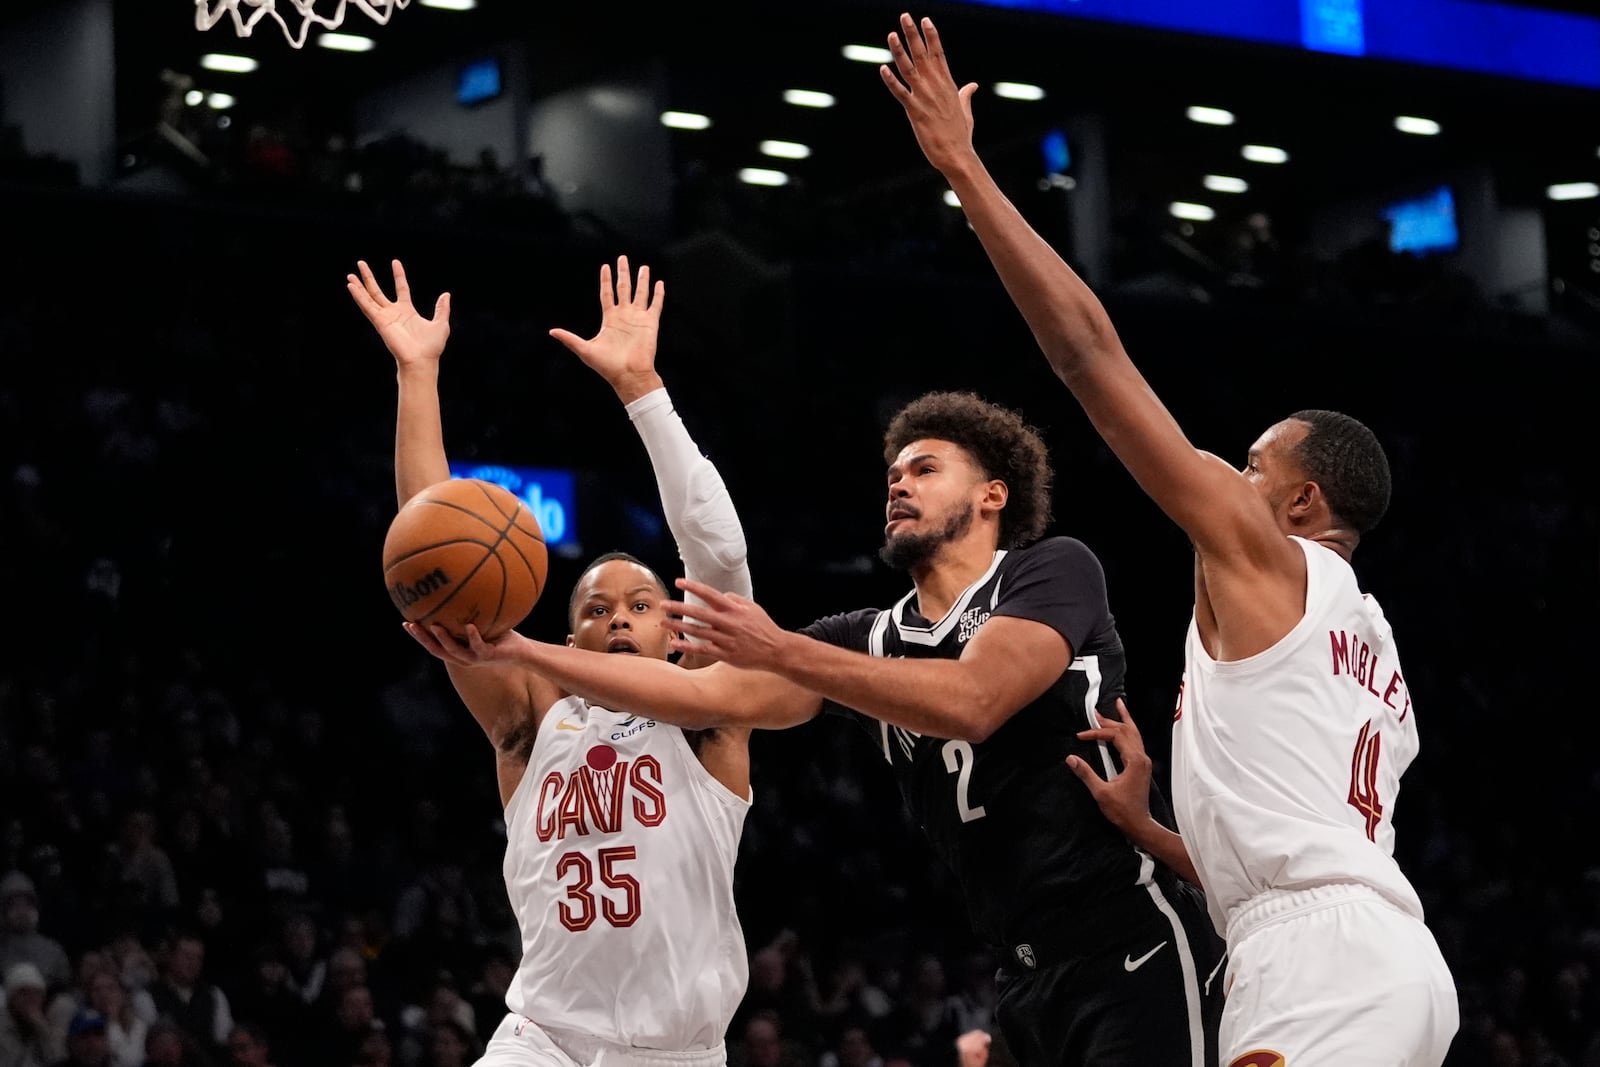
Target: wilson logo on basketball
[[405, 595], [1260, 1058]]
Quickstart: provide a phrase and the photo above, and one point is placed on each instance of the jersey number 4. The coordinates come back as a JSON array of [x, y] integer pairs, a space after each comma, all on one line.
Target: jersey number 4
[[579, 911], [958, 757], [1364, 779]]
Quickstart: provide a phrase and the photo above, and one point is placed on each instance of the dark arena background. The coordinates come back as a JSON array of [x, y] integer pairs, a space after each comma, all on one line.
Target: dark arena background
[[215, 737]]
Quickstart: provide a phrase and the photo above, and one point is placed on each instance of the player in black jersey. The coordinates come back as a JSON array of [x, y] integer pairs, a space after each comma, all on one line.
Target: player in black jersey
[[976, 687]]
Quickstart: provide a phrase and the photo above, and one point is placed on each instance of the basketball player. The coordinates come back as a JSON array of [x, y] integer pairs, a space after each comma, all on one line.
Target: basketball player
[[974, 687], [1294, 723], [621, 831]]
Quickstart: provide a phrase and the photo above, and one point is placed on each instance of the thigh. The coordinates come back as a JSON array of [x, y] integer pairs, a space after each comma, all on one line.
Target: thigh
[[1357, 984], [517, 1042]]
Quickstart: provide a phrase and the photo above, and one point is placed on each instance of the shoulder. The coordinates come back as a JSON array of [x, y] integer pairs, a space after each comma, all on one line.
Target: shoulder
[[846, 628], [1059, 554]]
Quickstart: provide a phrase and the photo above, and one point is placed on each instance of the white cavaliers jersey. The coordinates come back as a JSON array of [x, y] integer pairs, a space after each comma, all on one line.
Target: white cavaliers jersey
[[620, 849], [1286, 765]]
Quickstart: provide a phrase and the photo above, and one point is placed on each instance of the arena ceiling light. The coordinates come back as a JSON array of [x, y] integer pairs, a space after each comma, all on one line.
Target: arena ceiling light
[[1264, 153], [220, 101], [450, 5], [807, 98], [1018, 91], [762, 176], [347, 42], [1573, 191], [1210, 116], [865, 53], [1413, 124], [785, 149], [1193, 212], [951, 198], [229, 64], [684, 120], [1221, 183], [194, 98]]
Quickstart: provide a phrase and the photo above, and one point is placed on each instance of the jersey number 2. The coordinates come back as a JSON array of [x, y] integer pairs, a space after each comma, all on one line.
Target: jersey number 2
[[581, 913], [1364, 779], [958, 757]]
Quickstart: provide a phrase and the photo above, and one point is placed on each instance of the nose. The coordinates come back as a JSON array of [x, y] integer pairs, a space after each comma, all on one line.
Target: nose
[[620, 622]]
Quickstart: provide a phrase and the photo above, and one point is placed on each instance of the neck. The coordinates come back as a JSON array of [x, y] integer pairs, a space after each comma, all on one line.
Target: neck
[[1342, 541], [945, 577]]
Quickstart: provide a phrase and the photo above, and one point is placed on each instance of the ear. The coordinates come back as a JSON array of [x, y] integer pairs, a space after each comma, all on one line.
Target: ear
[[995, 495], [1306, 500], [571, 641]]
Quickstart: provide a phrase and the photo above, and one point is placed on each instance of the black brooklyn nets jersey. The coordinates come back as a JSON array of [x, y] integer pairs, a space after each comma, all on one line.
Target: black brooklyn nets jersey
[[1028, 844]]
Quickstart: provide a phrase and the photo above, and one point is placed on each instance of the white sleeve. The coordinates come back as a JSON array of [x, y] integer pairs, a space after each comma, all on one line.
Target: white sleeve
[[699, 511]]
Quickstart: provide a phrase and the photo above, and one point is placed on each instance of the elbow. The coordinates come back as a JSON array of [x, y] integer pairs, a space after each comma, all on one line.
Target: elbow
[[984, 720]]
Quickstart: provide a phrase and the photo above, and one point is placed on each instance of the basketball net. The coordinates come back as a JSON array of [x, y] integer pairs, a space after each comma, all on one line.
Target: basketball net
[[207, 13], [604, 795]]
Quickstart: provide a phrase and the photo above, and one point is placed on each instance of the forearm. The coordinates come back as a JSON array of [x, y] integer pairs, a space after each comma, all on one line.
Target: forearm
[[1067, 319], [640, 686], [695, 501], [932, 697], [1165, 847], [419, 455]]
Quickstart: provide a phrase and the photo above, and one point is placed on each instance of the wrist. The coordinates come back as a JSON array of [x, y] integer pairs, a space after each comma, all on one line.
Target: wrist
[[423, 371], [630, 387]]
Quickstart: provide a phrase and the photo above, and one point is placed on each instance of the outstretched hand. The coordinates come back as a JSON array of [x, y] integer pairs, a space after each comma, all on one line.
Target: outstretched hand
[[475, 651], [410, 338], [1125, 799], [940, 114], [725, 627], [624, 351]]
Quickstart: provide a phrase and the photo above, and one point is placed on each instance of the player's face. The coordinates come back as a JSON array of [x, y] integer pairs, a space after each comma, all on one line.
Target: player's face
[[1272, 467], [934, 488], [619, 610]]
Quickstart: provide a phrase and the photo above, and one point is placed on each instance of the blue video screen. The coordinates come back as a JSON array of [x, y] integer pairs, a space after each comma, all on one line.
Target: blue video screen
[[551, 495], [1424, 224], [479, 81]]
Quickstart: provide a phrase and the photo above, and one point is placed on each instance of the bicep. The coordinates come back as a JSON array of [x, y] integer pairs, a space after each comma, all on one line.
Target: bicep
[[501, 697], [1015, 660], [1212, 502]]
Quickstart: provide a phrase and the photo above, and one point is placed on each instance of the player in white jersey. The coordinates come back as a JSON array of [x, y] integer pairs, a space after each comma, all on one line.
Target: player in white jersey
[[622, 833], [1295, 724]]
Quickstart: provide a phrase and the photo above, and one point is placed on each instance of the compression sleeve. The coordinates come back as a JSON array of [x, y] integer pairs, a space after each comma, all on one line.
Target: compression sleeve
[[698, 509]]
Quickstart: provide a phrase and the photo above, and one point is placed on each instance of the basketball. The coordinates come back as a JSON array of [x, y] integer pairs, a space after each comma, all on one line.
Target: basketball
[[463, 551]]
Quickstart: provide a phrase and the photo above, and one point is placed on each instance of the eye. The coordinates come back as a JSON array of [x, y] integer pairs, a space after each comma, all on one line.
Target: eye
[[643, 605], [925, 469], [598, 609]]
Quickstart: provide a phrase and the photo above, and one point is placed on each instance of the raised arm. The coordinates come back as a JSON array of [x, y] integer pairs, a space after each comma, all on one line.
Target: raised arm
[[698, 509], [503, 700], [1213, 503]]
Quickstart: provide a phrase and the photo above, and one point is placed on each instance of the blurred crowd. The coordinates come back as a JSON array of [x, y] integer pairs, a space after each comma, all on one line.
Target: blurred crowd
[[243, 821]]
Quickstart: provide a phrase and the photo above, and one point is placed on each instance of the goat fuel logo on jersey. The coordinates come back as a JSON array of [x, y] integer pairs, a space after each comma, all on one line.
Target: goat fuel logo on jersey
[[1261, 1057]]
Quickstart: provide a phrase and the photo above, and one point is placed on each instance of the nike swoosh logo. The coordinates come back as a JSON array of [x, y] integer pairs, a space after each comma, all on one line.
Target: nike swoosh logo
[[1131, 964], [565, 725]]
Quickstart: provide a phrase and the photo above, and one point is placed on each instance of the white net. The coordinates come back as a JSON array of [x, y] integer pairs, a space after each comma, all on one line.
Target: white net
[[605, 797], [296, 18]]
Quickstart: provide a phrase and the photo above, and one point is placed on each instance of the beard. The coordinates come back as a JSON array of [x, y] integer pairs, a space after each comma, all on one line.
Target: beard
[[909, 551]]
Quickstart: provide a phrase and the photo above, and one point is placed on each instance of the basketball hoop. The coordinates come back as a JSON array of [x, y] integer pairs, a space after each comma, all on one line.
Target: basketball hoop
[[244, 22]]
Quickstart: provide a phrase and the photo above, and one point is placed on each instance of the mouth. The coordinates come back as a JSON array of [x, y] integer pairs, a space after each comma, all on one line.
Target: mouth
[[898, 513], [624, 645]]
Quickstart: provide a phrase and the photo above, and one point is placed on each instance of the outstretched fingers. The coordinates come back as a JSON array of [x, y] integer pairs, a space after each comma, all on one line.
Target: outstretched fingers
[[370, 284], [624, 282]]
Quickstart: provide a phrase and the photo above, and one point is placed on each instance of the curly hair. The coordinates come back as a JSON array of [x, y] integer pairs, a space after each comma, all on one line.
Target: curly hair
[[1342, 456], [1002, 443]]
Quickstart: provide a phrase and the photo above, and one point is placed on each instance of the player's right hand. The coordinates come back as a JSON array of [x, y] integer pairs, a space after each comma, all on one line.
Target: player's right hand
[[475, 651], [410, 338], [624, 351]]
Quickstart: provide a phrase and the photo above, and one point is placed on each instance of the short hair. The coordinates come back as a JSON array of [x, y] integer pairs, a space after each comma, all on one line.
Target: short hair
[[600, 561], [1345, 459], [1002, 443]]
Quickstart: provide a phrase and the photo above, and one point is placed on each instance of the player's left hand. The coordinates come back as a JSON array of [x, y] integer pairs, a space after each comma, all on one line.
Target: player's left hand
[[475, 651], [1125, 799], [972, 1048], [624, 351], [940, 114], [725, 627]]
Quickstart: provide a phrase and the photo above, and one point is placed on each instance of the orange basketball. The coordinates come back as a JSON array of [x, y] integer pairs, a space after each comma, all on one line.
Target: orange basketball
[[463, 551]]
